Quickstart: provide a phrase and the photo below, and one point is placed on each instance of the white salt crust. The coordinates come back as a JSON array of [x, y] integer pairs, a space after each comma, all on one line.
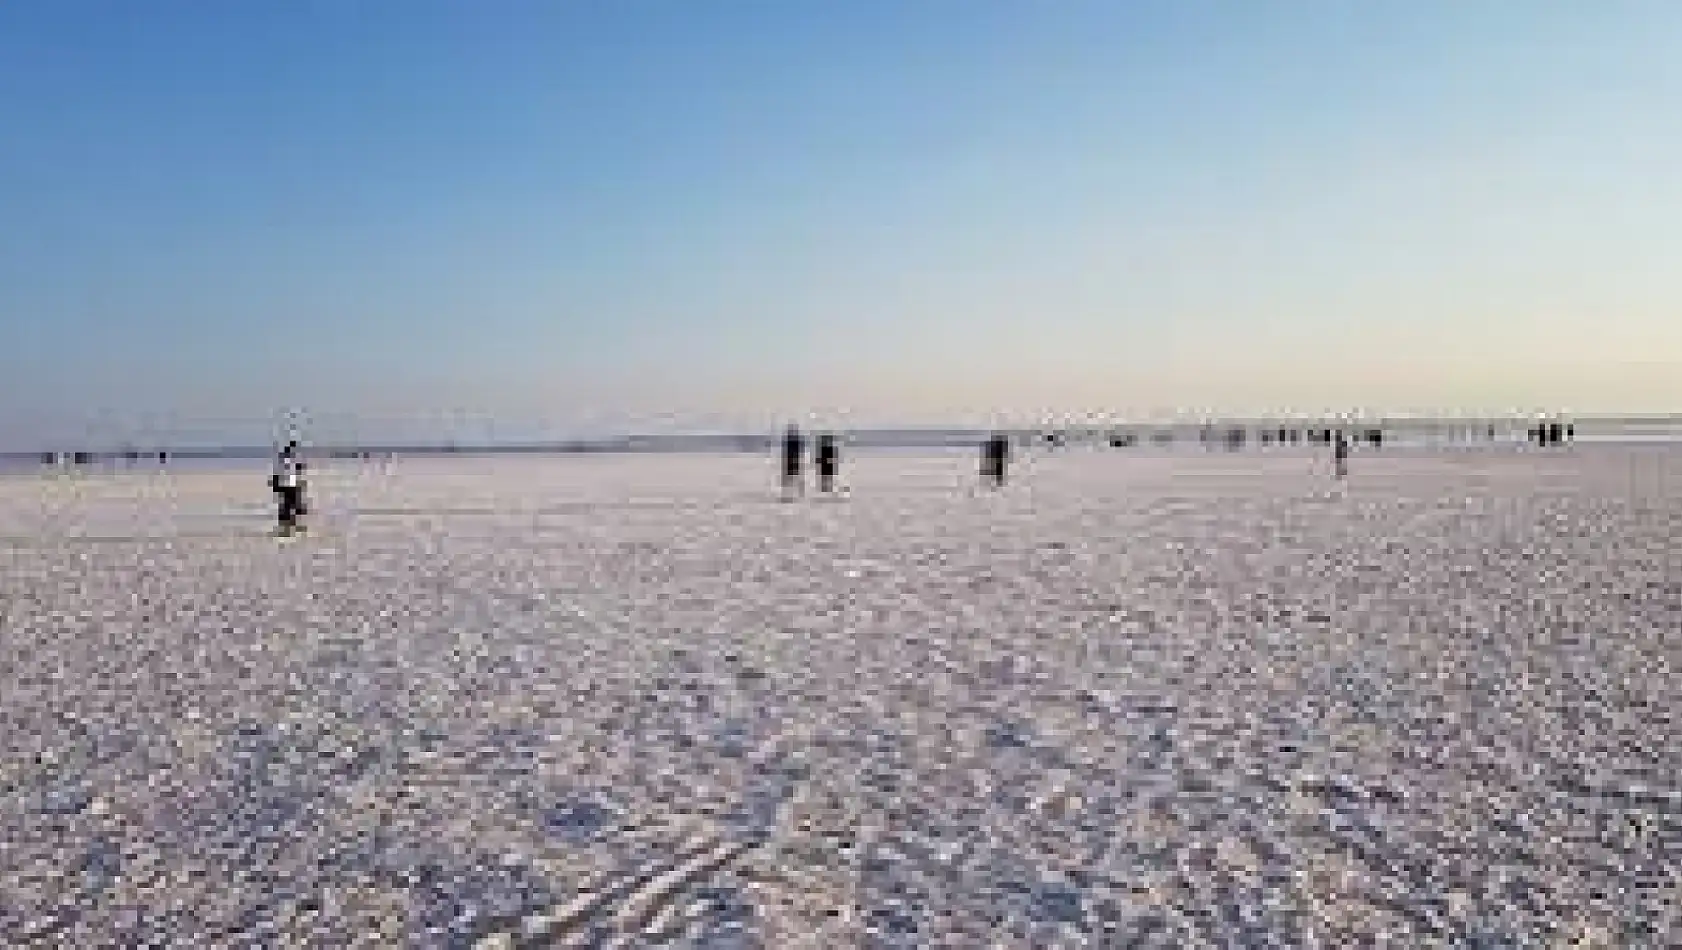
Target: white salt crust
[[1179, 700]]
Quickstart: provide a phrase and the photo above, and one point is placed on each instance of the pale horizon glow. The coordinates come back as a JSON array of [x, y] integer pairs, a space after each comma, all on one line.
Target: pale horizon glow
[[421, 219]]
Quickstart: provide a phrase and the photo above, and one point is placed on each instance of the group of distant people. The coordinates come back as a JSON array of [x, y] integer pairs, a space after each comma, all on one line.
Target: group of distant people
[[826, 459], [288, 479], [1548, 434]]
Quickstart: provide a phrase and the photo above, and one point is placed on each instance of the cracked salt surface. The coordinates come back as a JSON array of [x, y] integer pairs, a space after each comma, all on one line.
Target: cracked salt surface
[[1134, 699]]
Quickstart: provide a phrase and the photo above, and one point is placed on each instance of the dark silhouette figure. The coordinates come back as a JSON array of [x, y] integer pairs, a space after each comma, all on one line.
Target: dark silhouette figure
[[1570, 432], [995, 458], [1340, 456], [826, 458], [794, 451], [288, 485], [1375, 437]]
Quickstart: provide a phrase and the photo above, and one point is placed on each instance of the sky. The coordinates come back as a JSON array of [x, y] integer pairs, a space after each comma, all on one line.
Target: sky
[[518, 219]]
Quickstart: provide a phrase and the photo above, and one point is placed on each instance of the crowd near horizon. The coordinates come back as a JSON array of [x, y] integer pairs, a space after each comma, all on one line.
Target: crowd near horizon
[[1231, 435], [821, 449]]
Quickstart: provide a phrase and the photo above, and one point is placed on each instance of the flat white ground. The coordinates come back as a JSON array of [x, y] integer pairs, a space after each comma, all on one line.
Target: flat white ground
[[1180, 700]]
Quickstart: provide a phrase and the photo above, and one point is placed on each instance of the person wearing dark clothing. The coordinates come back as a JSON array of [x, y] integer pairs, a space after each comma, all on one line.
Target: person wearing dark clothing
[[827, 458], [995, 456], [288, 485], [794, 450], [1340, 455]]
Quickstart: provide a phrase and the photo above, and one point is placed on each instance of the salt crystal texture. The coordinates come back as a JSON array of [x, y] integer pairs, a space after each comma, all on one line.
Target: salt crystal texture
[[1180, 698]]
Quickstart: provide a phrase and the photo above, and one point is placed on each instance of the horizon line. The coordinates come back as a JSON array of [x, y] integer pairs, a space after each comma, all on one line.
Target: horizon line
[[633, 442]]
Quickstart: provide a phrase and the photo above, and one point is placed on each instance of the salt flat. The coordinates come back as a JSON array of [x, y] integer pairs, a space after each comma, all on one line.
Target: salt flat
[[1171, 700]]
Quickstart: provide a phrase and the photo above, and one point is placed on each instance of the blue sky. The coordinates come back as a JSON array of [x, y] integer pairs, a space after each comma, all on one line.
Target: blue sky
[[514, 218]]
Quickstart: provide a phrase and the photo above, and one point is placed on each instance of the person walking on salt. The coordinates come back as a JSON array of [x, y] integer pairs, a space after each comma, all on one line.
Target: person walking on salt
[[828, 459], [794, 450], [1340, 455], [995, 456], [288, 485]]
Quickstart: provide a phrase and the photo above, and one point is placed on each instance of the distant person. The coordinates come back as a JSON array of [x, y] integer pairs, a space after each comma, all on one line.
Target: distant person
[[995, 457], [827, 458], [288, 484], [794, 450], [1340, 455]]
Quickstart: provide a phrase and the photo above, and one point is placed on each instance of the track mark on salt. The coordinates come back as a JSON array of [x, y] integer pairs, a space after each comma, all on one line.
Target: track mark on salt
[[630, 908]]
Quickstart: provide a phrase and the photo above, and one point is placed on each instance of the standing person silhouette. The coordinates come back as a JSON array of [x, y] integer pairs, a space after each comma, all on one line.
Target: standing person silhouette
[[794, 449], [288, 484], [995, 456], [1340, 455], [827, 459]]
